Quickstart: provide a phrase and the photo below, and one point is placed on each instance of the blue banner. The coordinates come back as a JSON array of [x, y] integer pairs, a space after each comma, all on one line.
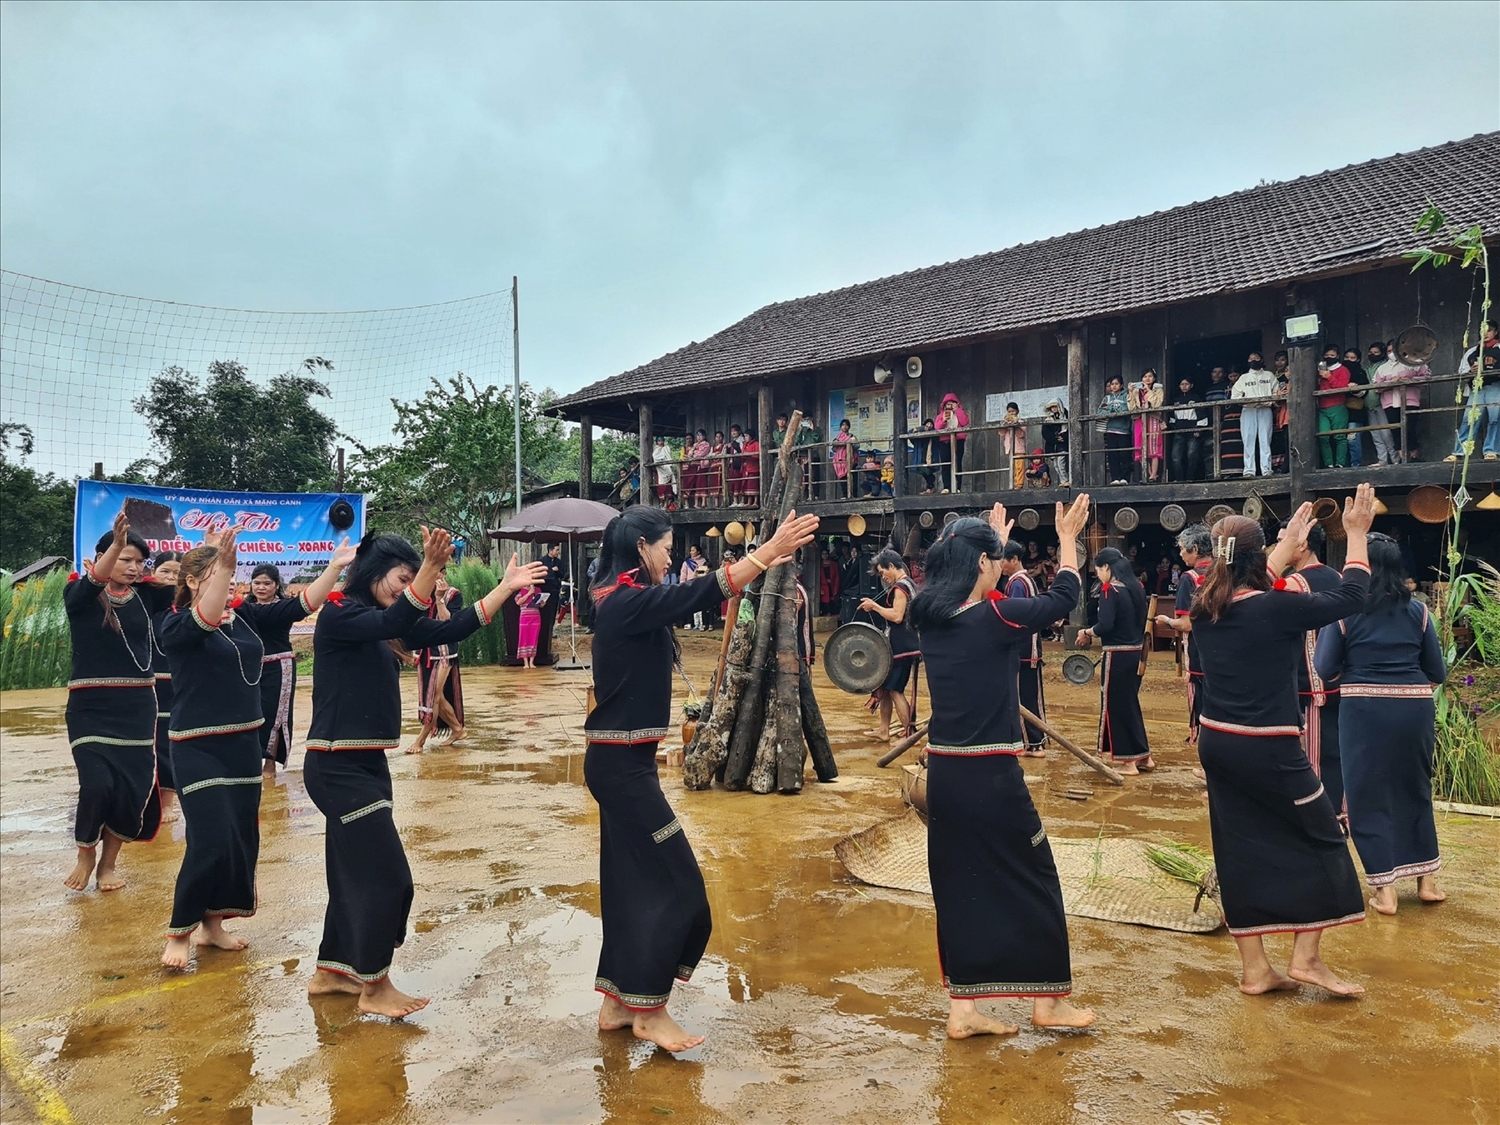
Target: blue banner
[[290, 529]]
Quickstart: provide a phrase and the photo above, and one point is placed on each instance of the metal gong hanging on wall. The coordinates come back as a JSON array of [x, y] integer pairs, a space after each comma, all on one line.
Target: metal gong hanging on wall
[[926, 519], [857, 658], [1126, 519], [1029, 519], [1173, 517]]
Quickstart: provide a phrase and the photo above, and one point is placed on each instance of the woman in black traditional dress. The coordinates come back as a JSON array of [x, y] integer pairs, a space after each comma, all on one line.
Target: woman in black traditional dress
[[217, 667], [356, 718], [440, 688], [652, 900], [271, 614], [1001, 930], [896, 593], [111, 712], [1121, 627], [164, 567], [1282, 861], [1388, 659]]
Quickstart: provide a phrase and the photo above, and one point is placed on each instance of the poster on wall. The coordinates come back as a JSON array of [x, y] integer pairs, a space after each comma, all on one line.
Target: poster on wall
[[294, 530], [1032, 403], [868, 410]]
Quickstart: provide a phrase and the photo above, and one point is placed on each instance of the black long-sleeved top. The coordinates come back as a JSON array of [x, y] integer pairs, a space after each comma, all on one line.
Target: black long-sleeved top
[[1250, 653], [1122, 616], [101, 656], [1187, 589], [1397, 648], [216, 677], [357, 678], [973, 661], [273, 620], [1311, 687], [633, 655], [1021, 585]]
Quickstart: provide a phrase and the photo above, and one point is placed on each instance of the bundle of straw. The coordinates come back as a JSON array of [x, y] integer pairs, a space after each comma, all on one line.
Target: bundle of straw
[[1186, 862]]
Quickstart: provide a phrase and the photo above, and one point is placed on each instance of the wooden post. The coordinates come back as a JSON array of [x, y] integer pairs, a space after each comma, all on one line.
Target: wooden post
[[1302, 412], [765, 413], [99, 469], [339, 486], [898, 427], [647, 494], [1077, 406], [586, 459]]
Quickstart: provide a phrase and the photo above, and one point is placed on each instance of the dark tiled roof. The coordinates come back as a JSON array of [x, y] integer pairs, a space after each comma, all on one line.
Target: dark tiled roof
[[1317, 225]]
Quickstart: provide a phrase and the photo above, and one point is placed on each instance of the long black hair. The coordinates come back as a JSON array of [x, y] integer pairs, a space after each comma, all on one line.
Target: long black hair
[[621, 550], [376, 557], [952, 569], [1120, 570], [270, 571], [1388, 591]]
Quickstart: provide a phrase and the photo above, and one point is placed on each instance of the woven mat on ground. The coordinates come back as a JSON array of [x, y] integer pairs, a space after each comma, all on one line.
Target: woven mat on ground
[[1106, 878]]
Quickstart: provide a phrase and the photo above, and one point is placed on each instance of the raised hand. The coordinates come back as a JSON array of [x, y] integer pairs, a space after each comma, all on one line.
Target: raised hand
[[121, 529], [795, 531], [344, 555], [1359, 510], [1072, 520], [998, 521], [519, 575], [1299, 525], [437, 547]]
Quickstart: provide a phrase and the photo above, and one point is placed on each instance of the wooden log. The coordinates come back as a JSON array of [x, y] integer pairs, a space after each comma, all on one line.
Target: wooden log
[[742, 744], [762, 777], [902, 747], [709, 748], [1072, 748], [791, 751], [814, 729]]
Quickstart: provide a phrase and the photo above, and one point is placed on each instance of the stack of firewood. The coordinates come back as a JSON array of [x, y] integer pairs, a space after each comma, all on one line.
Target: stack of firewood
[[761, 718]]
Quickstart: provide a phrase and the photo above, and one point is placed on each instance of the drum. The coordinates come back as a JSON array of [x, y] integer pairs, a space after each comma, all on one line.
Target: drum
[[857, 658]]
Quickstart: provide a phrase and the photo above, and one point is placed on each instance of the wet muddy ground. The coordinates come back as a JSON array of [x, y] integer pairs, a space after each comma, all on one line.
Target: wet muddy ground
[[820, 997]]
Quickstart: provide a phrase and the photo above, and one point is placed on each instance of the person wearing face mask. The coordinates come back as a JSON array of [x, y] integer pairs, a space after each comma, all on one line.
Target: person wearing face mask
[[356, 718], [111, 713], [1333, 411], [1231, 458], [1360, 404], [1255, 421], [653, 903]]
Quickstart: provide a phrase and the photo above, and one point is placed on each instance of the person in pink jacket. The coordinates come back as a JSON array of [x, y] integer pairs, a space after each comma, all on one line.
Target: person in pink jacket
[[952, 416], [1394, 401]]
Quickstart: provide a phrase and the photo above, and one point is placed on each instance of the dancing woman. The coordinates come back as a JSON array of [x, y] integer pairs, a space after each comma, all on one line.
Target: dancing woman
[[1001, 930], [1282, 861], [356, 718], [896, 593], [651, 894], [111, 712], [164, 567], [1196, 547], [440, 689], [271, 614], [1122, 624], [1019, 584], [1388, 659], [216, 711]]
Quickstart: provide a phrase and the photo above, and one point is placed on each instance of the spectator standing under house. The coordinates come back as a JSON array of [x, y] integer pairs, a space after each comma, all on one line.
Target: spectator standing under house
[[665, 470], [1147, 395], [1231, 459], [839, 455], [1187, 425], [925, 457], [1482, 359], [1055, 440], [1359, 404], [808, 435], [552, 586], [952, 416], [1333, 413], [1395, 402], [1255, 421], [1116, 425], [1013, 444], [829, 582]]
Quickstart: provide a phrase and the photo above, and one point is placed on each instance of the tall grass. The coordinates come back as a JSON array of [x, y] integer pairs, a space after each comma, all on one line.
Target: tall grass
[[1464, 768], [473, 579], [36, 650]]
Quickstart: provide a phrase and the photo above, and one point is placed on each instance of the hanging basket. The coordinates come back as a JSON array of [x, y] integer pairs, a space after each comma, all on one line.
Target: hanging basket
[[1430, 503], [1330, 516]]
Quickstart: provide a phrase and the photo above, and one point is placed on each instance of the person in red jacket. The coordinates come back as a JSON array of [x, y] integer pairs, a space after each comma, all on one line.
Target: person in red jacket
[[1333, 411]]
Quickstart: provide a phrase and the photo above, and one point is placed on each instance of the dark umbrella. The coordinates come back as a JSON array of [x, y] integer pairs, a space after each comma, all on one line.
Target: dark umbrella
[[564, 520]]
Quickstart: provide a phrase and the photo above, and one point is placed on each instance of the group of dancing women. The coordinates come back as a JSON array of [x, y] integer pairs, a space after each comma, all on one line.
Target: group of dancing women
[[1258, 621]]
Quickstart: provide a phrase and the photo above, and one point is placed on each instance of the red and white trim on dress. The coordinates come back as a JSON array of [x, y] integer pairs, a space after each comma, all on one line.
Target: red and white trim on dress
[[1254, 732], [633, 1001], [420, 603], [1405, 871], [351, 744], [1295, 927], [987, 748]]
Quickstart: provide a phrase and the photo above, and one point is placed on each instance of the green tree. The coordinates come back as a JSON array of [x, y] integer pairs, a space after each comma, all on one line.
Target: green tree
[[36, 509], [229, 433], [453, 464]]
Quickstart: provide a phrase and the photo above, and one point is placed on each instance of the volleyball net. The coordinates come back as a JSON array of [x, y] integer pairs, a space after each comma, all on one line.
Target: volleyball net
[[73, 361]]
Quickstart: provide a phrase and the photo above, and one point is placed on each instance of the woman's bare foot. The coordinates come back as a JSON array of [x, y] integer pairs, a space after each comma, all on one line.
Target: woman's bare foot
[[877, 735], [657, 1027], [1427, 889], [1146, 764], [268, 768], [1266, 979], [179, 951], [171, 811], [1054, 1011], [212, 932], [1033, 753], [1315, 972], [382, 998], [78, 878], [416, 747], [105, 875], [1199, 774], [966, 1020], [458, 735], [1127, 769], [1384, 899], [325, 983], [108, 878], [614, 1016]]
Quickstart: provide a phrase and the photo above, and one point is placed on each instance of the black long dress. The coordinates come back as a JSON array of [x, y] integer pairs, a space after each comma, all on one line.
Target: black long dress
[[1282, 861], [161, 667], [1000, 921], [273, 622], [1122, 624], [1187, 589], [216, 712], [652, 899], [1388, 663], [356, 718], [111, 713], [1029, 674]]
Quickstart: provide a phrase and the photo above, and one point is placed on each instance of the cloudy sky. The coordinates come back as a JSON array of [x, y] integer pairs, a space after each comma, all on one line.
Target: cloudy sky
[[655, 172]]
